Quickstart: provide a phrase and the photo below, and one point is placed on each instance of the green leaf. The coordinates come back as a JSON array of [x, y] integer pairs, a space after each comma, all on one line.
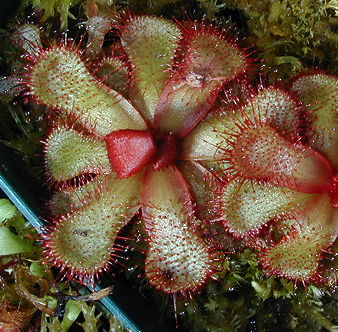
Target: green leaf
[[150, 43], [69, 153], [12, 244], [59, 73], [319, 93], [38, 270], [248, 205], [263, 288], [7, 209], [84, 246], [290, 60], [50, 301], [73, 309]]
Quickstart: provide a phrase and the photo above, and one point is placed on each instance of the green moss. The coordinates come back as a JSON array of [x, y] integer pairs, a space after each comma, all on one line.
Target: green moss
[[291, 35], [244, 298], [53, 7]]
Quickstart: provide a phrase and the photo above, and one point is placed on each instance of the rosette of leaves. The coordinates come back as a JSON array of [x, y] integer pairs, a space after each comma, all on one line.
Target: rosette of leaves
[[114, 148], [141, 130]]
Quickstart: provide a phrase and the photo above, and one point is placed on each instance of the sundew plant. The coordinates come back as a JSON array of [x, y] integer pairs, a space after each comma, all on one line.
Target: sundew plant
[[171, 124]]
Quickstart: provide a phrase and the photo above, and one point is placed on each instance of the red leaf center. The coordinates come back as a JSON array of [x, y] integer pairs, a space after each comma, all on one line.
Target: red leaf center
[[166, 152], [129, 150]]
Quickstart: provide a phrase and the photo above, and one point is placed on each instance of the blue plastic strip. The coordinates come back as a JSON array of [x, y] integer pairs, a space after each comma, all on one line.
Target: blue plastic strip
[[35, 221], [21, 205], [110, 304]]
